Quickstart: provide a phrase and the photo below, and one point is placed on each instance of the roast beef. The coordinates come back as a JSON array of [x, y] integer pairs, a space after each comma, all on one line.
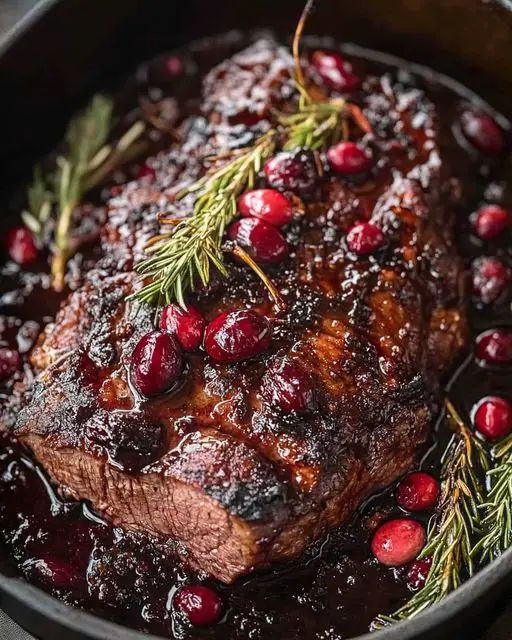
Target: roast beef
[[216, 465]]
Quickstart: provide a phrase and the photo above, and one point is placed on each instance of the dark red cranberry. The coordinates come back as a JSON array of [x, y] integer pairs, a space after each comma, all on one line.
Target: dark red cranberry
[[493, 417], [187, 325], [494, 347], [21, 246], [156, 363], [145, 171], [174, 66], [201, 605], [490, 278], [349, 158], [483, 132], [491, 221], [417, 573], [418, 492], [55, 572], [262, 241], [398, 542], [292, 171], [335, 71], [268, 205], [237, 335], [364, 238], [287, 385], [10, 362]]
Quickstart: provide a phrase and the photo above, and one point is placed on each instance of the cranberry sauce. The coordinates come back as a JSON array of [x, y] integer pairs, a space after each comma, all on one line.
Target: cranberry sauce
[[339, 585]]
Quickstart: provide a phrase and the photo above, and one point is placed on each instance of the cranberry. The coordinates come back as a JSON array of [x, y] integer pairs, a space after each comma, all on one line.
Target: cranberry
[[490, 221], [335, 71], [287, 385], [262, 241], [418, 573], [237, 335], [493, 417], [21, 246], [156, 363], [418, 492], [364, 238], [187, 325], [174, 66], [10, 362], [292, 171], [349, 158], [490, 278], [145, 171], [201, 605], [268, 205], [398, 542], [55, 572], [483, 132], [494, 347]]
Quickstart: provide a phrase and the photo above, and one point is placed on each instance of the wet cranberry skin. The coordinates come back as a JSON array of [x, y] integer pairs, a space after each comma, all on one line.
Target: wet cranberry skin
[[146, 172], [292, 171], [10, 362], [364, 238], [268, 205], [262, 241], [186, 325], [21, 246], [287, 385], [418, 492], [494, 347], [490, 278], [237, 335], [490, 221], [156, 363], [398, 542], [483, 132], [493, 417], [349, 158], [417, 573], [200, 604], [335, 71]]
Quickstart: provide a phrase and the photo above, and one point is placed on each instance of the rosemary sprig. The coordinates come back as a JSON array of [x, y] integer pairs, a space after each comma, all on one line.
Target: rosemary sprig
[[497, 510], [452, 527]]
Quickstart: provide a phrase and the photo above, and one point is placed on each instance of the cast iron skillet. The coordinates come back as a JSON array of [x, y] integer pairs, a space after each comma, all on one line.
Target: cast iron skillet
[[62, 51]]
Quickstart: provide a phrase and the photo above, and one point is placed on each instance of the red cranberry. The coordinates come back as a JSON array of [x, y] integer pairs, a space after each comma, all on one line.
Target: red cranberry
[[349, 158], [188, 326], [364, 238], [174, 66], [202, 605], [145, 171], [335, 71], [490, 221], [21, 246], [493, 417], [490, 278], [55, 572], [398, 542], [418, 492], [483, 132], [237, 335], [262, 241], [292, 171], [156, 363], [10, 362], [418, 573], [494, 347], [287, 385], [268, 205]]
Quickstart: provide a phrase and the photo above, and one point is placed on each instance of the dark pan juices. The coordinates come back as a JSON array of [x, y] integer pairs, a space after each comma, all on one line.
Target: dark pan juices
[[336, 588]]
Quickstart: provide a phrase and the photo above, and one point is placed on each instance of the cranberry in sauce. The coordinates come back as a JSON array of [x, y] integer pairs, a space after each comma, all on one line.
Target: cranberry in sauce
[[174, 66], [287, 385], [418, 492], [201, 605], [493, 417], [262, 241], [349, 158], [483, 132], [494, 347], [10, 362], [236, 336], [398, 542], [292, 171], [335, 71], [417, 573], [364, 238], [490, 278], [146, 172], [187, 325], [156, 363], [490, 221], [21, 246], [268, 205]]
